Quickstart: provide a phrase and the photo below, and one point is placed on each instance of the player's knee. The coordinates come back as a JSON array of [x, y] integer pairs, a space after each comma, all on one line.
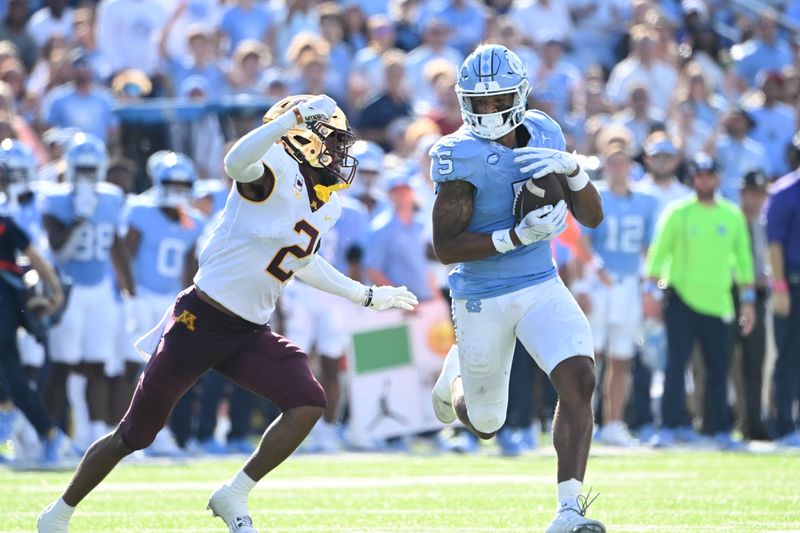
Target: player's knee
[[305, 416], [487, 419], [575, 380], [118, 444]]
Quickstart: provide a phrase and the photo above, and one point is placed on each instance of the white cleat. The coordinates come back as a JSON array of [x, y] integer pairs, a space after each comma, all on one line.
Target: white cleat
[[571, 520], [440, 397], [232, 509], [47, 522]]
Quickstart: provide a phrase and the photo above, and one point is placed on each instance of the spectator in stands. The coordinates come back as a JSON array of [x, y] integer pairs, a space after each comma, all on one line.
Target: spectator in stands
[[467, 19], [503, 31], [81, 104], [200, 59], [127, 33], [749, 351], [84, 40], [691, 135], [737, 152], [445, 111], [638, 116], [53, 20], [661, 159], [301, 17], [392, 103], [435, 34], [340, 53], [694, 89], [249, 61], [355, 23], [246, 20], [22, 129], [13, 29], [552, 18], [765, 51], [774, 122], [699, 274], [51, 69], [398, 244], [783, 234], [642, 67], [598, 26], [555, 79], [404, 17], [200, 138], [367, 71]]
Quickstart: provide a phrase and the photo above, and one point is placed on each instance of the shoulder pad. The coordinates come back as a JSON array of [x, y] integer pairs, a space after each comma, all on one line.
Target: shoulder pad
[[453, 155], [541, 122]]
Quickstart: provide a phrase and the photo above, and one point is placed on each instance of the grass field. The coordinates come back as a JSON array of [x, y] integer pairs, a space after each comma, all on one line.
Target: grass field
[[641, 491]]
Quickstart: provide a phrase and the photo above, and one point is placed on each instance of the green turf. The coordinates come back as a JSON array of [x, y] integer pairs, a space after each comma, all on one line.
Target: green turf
[[641, 491]]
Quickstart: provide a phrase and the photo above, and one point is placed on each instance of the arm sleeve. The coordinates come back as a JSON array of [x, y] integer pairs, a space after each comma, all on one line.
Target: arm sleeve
[[743, 255], [243, 161], [321, 275], [777, 212], [662, 245]]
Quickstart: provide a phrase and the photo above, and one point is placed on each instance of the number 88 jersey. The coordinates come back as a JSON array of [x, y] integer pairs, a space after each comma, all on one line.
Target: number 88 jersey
[[258, 246]]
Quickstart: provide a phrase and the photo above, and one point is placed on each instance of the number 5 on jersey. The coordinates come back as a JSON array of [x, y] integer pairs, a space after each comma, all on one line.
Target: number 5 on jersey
[[274, 267]]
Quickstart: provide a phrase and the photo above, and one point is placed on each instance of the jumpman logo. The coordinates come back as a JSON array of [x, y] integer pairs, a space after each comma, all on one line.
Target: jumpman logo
[[384, 410]]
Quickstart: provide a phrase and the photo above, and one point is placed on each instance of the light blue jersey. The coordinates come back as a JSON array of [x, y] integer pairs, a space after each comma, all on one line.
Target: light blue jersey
[[86, 257], [489, 167], [163, 245], [626, 231]]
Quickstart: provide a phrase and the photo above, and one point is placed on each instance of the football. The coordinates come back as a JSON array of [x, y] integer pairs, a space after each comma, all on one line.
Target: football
[[535, 193]]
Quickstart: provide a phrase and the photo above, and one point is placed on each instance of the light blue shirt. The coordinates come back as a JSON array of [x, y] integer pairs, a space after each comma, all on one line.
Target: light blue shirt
[[92, 113], [626, 231], [468, 23], [399, 251], [490, 168], [351, 230], [774, 129], [756, 55], [160, 259], [240, 25], [736, 158], [86, 257]]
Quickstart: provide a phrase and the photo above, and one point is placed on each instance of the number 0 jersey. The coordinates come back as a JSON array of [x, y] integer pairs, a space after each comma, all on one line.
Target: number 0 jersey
[[258, 246]]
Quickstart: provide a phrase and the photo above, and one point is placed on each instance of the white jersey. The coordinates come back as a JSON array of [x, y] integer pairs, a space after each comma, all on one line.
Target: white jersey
[[258, 246]]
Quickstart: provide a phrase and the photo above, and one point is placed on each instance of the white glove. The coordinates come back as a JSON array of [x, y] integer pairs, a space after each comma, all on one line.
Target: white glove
[[85, 200], [387, 297], [542, 224], [319, 108], [544, 161]]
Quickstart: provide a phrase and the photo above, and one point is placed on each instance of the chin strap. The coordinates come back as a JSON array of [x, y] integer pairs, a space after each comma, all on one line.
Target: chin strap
[[323, 192]]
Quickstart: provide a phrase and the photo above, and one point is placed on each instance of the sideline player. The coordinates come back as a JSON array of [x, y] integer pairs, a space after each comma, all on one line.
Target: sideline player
[[82, 220], [615, 299], [506, 285], [283, 201]]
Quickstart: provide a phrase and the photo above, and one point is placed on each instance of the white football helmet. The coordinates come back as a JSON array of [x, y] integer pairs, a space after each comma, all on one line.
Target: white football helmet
[[87, 159], [174, 180], [17, 168], [492, 70]]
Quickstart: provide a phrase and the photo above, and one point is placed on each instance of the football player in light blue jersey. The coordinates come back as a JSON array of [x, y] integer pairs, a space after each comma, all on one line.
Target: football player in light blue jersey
[[506, 285], [82, 219], [620, 243]]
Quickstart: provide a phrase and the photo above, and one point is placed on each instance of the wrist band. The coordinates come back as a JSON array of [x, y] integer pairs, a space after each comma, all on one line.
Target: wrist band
[[780, 285], [502, 241], [747, 296], [369, 297], [578, 181]]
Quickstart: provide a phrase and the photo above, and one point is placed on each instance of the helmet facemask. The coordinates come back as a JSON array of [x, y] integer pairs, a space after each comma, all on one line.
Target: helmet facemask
[[493, 125], [337, 164]]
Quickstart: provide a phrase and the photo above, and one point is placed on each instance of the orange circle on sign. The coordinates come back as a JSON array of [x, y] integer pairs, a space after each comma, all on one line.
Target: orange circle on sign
[[441, 337]]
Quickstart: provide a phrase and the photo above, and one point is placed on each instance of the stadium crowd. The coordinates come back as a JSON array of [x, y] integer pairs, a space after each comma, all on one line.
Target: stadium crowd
[[146, 95]]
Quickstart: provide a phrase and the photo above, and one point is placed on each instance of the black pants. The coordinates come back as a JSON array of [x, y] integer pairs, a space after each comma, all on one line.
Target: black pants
[[787, 365], [639, 411], [530, 393], [684, 326], [14, 383], [753, 348]]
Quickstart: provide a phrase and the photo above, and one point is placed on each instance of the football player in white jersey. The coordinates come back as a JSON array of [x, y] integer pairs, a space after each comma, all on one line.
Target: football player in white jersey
[[286, 173]]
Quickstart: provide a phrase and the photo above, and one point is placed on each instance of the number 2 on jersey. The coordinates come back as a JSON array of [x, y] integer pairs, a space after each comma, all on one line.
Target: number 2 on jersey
[[274, 267]]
